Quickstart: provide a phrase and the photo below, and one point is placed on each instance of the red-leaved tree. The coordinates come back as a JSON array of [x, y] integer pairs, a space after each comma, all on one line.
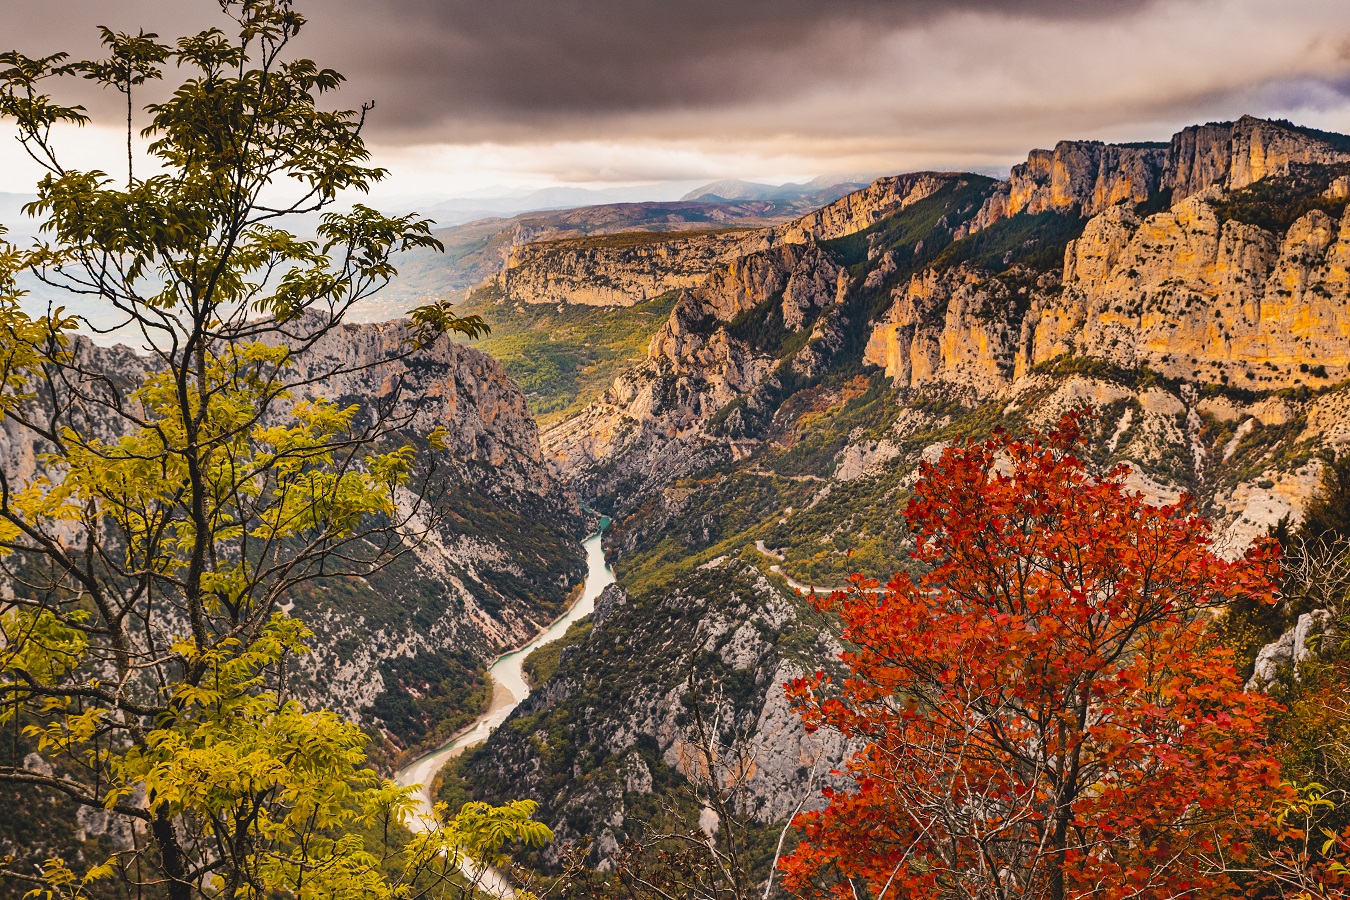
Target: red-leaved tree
[[1042, 710]]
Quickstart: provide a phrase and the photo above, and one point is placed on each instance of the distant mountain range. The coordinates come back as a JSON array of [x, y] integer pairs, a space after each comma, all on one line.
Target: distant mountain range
[[492, 202], [833, 186]]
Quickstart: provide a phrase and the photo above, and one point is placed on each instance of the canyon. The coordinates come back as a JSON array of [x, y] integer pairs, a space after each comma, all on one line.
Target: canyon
[[772, 387], [1193, 293]]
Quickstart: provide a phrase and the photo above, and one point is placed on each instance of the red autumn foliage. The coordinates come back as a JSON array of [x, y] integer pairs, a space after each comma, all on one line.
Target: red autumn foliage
[[1042, 711]]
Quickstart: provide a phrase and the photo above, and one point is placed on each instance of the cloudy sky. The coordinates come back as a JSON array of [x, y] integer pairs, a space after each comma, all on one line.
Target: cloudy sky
[[530, 93]]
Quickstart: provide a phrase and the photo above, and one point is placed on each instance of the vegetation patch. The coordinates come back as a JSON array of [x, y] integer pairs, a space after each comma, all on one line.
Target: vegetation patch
[[1277, 202], [1036, 241], [565, 355], [541, 665]]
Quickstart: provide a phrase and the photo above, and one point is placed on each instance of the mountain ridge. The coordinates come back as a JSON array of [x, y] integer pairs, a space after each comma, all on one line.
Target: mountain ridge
[[790, 397]]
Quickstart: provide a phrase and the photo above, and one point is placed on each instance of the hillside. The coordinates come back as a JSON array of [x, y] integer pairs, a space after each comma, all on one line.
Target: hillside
[[403, 651], [477, 251], [1196, 293]]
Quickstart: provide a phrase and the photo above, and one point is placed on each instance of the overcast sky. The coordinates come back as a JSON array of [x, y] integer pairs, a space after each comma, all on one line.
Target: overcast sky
[[472, 93]]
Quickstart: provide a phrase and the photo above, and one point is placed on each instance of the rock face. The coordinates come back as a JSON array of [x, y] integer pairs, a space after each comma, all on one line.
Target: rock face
[[1093, 176], [1192, 296], [960, 327], [849, 215], [1089, 174], [477, 582], [617, 272], [649, 426], [447, 384], [1182, 292], [1290, 649], [722, 625]]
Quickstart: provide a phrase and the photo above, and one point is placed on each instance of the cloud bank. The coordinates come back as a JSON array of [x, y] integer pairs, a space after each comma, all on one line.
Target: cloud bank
[[607, 91]]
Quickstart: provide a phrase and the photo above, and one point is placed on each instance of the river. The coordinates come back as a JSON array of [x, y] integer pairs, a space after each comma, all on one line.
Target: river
[[508, 686]]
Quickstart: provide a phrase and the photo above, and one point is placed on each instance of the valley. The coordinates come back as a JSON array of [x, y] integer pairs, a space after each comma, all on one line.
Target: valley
[[1192, 293], [751, 390], [489, 460]]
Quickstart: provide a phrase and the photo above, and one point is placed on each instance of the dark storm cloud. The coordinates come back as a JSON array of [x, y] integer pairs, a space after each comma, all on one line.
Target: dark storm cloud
[[624, 90], [504, 68], [525, 62]]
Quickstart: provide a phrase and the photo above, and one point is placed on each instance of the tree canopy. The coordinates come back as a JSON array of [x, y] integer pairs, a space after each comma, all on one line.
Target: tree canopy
[[1042, 709], [158, 509]]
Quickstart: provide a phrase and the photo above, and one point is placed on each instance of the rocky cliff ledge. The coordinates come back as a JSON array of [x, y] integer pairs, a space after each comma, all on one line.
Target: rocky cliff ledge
[[1092, 176], [620, 270], [1190, 293]]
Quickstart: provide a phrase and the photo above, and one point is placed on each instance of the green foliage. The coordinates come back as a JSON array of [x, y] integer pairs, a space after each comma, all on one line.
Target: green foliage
[[428, 698], [542, 664], [930, 221], [1276, 202], [1327, 516], [1139, 378], [565, 356], [147, 653], [1036, 241]]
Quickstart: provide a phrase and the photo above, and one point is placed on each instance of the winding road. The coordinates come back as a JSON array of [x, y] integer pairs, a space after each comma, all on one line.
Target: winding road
[[792, 582]]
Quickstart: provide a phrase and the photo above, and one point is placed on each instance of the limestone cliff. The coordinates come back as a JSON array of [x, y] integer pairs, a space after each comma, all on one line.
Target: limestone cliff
[[959, 327], [617, 271], [651, 425], [861, 209], [1184, 292], [1192, 296], [1092, 176]]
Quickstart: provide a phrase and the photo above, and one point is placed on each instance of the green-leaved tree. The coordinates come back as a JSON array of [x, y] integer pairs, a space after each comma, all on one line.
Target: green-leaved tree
[[157, 510]]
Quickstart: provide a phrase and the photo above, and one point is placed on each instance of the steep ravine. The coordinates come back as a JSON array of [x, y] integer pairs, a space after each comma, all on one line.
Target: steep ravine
[[1194, 293]]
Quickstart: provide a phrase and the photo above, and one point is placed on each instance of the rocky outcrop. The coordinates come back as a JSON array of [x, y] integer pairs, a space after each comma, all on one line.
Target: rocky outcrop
[[802, 274], [719, 633], [446, 384], [1182, 292], [882, 198], [1237, 154], [1087, 174], [1091, 176], [649, 426], [1290, 649], [619, 271], [960, 327], [1195, 297]]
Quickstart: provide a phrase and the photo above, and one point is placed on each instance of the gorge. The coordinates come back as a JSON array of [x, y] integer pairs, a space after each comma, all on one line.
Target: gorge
[[1193, 293], [753, 401]]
